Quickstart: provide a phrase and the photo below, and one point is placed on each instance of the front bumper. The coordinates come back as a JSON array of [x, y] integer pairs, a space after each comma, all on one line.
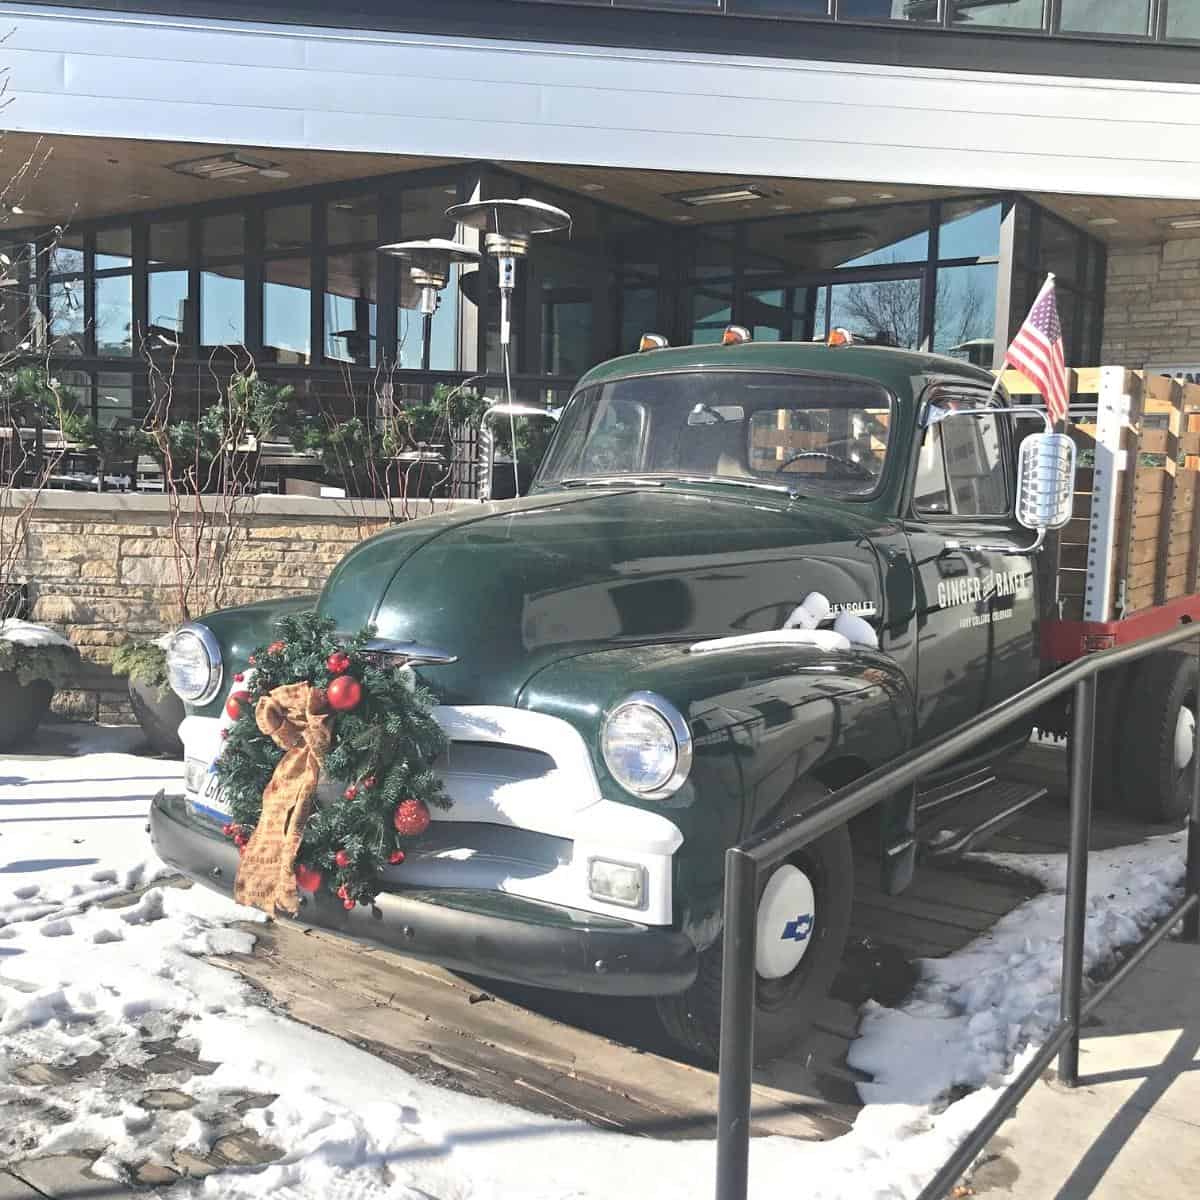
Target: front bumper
[[472, 931]]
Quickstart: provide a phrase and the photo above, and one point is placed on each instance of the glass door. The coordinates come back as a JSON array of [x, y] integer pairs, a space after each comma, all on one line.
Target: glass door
[[883, 312]]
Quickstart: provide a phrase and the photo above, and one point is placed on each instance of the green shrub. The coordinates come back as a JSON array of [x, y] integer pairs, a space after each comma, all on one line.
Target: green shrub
[[142, 662]]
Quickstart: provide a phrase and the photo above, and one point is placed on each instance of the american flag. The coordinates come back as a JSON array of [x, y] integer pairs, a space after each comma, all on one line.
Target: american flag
[[1037, 352]]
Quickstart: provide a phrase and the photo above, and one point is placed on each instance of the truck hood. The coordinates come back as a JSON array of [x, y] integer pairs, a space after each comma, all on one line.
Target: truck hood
[[510, 590]]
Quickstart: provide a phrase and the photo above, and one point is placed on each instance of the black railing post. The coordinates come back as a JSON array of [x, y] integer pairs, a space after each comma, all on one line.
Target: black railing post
[[1083, 735], [737, 1025], [1191, 923]]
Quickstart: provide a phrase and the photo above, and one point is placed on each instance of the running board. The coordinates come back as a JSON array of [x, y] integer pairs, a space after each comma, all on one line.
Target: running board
[[953, 793], [988, 811]]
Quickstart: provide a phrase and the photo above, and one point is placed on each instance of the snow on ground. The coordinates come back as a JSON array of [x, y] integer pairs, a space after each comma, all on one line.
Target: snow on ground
[[78, 981]]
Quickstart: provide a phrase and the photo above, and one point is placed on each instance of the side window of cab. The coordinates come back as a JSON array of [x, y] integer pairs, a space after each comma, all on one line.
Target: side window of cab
[[962, 468]]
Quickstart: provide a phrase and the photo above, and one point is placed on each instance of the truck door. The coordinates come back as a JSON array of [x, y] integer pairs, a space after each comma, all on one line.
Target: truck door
[[975, 605]]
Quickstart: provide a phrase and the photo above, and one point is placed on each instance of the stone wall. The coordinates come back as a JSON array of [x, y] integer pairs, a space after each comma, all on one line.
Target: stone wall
[[102, 568], [1152, 305]]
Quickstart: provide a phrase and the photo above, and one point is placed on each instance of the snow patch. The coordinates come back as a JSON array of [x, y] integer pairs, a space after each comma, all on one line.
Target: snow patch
[[25, 633]]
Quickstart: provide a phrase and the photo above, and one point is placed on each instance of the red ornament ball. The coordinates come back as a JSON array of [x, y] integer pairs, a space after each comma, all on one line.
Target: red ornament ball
[[347, 904], [238, 677], [227, 830], [233, 706], [338, 662], [276, 647], [308, 879], [351, 792], [342, 893], [396, 856], [344, 693], [411, 818], [342, 858]]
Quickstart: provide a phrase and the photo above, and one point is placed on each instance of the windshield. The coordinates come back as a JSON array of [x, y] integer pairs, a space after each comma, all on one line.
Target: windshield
[[820, 433]]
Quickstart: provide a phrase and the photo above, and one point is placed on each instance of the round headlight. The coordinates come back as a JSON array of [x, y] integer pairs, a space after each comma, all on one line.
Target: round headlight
[[194, 664], [647, 746]]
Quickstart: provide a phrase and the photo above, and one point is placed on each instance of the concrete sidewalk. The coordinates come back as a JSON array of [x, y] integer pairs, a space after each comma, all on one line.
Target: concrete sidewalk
[[1132, 1127]]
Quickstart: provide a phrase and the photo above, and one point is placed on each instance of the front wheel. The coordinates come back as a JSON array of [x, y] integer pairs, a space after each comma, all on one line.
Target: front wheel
[[803, 921]]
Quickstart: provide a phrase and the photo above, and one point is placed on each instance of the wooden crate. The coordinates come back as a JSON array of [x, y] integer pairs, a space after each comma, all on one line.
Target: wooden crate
[[1156, 551]]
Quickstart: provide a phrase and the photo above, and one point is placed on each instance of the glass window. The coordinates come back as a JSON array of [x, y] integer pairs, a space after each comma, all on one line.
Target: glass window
[[169, 299], [223, 307], [114, 399], [114, 315], [964, 313], [961, 469], [1060, 246], [826, 434], [1009, 14], [350, 308], [443, 338], [353, 219], [289, 228], [888, 10], [287, 316], [66, 254], [67, 316], [711, 291], [1106, 16], [886, 312], [114, 249], [914, 248], [638, 298], [223, 236], [566, 328], [780, 8], [780, 314], [169, 242], [970, 229], [1183, 19]]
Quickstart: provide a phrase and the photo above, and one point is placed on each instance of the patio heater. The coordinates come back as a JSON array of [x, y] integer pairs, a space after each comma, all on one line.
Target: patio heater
[[507, 226], [429, 264]]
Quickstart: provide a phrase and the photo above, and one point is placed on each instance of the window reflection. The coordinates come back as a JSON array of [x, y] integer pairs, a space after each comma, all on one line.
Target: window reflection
[[114, 399], [889, 10], [353, 219], [169, 302], [350, 308], [66, 255], [885, 312], [965, 313], [114, 248], [223, 236], [1183, 19], [67, 316], [288, 228], [1009, 14], [1106, 16], [223, 307], [169, 242], [114, 315], [287, 312], [970, 229]]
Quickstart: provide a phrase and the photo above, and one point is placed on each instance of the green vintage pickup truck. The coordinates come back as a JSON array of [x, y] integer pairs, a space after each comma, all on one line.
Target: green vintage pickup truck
[[744, 575]]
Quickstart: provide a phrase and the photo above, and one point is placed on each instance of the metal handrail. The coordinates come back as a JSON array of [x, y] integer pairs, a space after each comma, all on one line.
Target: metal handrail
[[766, 849]]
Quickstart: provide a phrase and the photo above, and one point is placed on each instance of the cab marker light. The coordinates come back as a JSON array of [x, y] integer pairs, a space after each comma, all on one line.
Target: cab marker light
[[735, 335], [840, 337], [652, 341]]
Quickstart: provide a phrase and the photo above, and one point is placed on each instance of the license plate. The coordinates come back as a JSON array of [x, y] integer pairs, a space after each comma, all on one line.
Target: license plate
[[210, 800]]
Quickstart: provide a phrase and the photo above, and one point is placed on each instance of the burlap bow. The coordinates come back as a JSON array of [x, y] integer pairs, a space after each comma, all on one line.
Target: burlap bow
[[296, 718]]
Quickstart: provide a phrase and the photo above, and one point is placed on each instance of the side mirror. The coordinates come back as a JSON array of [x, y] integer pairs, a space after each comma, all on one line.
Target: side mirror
[[487, 440], [1045, 481]]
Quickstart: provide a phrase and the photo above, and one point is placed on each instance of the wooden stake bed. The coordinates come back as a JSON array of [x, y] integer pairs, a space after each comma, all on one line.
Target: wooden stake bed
[[1129, 560]]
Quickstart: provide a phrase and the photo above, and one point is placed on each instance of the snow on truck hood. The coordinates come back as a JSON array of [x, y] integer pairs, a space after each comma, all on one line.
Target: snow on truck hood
[[510, 590]]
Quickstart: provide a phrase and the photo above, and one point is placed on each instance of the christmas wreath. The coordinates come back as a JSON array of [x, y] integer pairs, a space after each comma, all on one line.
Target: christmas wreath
[[314, 706]]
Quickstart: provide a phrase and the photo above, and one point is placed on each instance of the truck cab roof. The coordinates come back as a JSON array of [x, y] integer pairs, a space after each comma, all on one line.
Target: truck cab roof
[[894, 369]]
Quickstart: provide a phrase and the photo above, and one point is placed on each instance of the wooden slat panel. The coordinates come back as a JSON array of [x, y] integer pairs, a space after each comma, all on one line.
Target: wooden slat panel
[[1156, 441], [1171, 493], [1071, 583]]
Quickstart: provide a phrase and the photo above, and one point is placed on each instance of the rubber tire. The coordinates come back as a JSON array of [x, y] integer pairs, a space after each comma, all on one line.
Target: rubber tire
[[1108, 793], [692, 1019], [1152, 789]]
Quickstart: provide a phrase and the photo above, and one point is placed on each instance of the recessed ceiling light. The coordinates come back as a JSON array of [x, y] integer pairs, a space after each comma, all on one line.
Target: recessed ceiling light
[[684, 217], [224, 166], [275, 173], [1081, 208], [1189, 222], [732, 194], [781, 207], [885, 195], [840, 201], [593, 187], [1103, 221], [450, 191]]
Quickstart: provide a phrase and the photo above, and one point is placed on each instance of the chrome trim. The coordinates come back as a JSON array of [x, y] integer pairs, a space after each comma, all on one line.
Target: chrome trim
[[412, 652], [212, 648], [679, 728]]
